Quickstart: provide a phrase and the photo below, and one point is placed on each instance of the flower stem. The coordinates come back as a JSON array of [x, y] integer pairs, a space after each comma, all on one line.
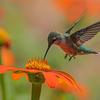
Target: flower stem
[[36, 90], [2, 83], [36, 79], [5, 84]]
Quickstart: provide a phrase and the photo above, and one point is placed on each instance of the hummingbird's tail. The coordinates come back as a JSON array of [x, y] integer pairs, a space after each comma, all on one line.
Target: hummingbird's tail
[[94, 52], [87, 50]]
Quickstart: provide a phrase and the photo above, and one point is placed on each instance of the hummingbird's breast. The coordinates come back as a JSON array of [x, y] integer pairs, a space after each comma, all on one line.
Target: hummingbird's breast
[[67, 46]]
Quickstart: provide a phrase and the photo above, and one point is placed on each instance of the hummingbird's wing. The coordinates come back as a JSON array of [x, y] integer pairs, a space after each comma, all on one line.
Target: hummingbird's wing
[[85, 34], [75, 23], [69, 30]]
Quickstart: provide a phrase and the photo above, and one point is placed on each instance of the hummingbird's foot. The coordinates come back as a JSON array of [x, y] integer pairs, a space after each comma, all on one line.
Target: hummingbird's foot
[[71, 58], [65, 56]]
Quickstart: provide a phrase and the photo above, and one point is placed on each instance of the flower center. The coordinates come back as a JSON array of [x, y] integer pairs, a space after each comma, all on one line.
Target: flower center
[[38, 64]]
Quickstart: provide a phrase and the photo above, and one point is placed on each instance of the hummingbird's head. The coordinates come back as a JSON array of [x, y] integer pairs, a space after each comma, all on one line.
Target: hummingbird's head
[[53, 37]]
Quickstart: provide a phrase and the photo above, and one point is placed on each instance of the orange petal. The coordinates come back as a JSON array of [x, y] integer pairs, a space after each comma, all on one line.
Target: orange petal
[[63, 81], [68, 81], [4, 69], [17, 76], [7, 57], [50, 79]]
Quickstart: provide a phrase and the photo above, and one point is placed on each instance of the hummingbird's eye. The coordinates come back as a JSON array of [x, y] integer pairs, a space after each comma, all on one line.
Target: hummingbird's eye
[[54, 39]]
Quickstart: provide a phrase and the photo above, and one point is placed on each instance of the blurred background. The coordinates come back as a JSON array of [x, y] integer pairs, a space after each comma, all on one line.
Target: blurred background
[[29, 22]]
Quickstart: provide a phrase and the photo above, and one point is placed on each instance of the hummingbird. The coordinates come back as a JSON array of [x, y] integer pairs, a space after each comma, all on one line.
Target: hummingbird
[[72, 44]]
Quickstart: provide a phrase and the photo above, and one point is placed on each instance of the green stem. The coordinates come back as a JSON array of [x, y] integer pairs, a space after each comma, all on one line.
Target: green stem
[[36, 79], [2, 83], [36, 90], [5, 85]]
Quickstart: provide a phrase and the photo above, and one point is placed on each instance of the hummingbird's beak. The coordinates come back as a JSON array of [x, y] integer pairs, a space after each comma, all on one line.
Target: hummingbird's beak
[[47, 50]]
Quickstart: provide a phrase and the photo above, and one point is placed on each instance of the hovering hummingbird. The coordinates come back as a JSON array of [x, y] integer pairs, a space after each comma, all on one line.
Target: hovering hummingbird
[[72, 44]]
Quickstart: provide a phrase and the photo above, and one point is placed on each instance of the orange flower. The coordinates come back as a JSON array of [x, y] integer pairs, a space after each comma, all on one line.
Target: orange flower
[[93, 7], [5, 44], [72, 9], [54, 79], [4, 38]]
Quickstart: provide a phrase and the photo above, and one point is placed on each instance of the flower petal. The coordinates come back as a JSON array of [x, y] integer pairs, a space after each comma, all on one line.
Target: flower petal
[[7, 56], [50, 79], [63, 81], [69, 83], [17, 76], [4, 69]]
